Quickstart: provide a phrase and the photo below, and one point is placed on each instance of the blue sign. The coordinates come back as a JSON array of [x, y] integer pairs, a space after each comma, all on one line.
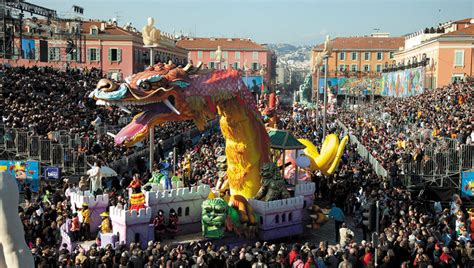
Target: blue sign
[[52, 173], [467, 183], [24, 172]]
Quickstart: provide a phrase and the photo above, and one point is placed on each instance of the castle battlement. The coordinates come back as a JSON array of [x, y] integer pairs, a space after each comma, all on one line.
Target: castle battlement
[[86, 197], [262, 207], [177, 195], [303, 189], [129, 217]]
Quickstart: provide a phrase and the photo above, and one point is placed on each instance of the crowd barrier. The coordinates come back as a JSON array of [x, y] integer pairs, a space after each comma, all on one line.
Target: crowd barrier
[[364, 153]]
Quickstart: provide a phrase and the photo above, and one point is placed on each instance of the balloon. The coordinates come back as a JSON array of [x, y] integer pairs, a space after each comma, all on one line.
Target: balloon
[[303, 161]]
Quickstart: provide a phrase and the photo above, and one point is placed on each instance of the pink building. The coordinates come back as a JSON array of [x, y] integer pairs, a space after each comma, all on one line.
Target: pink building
[[117, 51], [235, 53]]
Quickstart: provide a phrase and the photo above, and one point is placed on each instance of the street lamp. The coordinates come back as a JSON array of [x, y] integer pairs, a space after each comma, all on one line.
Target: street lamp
[[246, 70], [262, 72], [326, 54]]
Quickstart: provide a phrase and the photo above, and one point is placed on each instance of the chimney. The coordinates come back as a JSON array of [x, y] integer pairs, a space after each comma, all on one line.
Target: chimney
[[102, 26]]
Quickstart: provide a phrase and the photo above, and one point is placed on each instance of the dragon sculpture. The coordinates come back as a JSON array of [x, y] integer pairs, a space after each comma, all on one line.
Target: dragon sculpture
[[166, 92]]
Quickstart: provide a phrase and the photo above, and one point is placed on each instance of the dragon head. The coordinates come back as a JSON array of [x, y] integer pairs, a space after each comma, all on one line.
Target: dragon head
[[158, 90]]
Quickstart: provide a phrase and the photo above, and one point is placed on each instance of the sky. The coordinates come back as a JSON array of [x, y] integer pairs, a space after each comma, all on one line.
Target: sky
[[297, 22]]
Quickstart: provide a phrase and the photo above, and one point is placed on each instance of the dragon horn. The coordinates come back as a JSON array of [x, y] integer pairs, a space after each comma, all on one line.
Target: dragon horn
[[188, 67]]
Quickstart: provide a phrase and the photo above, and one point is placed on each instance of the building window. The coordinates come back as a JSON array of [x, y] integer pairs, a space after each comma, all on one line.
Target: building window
[[94, 31], [379, 55], [237, 55], [390, 55], [353, 68], [255, 66], [54, 53], [199, 54], [212, 55], [457, 78], [225, 54], [236, 65], [342, 67], [354, 55], [255, 55], [212, 65], [379, 68], [459, 58], [93, 54], [224, 65], [366, 68], [367, 56], [115, 55], [342, 55], [186, 211]]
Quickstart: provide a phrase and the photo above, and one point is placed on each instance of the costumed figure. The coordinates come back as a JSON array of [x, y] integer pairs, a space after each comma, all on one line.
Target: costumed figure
[[317, 217], [75, 227], [137, 199], [172, 227], [86, 221], [222, 184], [165, 178], [273, 186], [105, 227], [20, 173], [214, 215], [471, 222], [159, 224]]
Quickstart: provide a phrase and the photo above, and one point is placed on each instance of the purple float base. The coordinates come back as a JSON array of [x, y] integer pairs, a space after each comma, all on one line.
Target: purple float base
[[280, 232]]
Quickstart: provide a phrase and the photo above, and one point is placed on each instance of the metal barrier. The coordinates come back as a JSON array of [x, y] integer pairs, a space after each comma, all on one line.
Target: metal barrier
[[364, 153], [21, 141], [45, 151]]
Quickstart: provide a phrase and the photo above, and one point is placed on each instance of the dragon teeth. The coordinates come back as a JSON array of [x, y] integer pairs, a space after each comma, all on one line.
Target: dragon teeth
[[172, 108]]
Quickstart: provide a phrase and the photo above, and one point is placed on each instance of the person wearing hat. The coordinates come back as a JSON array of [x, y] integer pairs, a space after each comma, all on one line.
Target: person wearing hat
[[159, 224], [172, 227], [105, 227], [86, 221]]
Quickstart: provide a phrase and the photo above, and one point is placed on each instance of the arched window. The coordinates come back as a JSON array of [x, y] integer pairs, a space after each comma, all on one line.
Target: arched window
[[180, 212], [290, 216], [261, 220], [283, 218], [277, 218], [186, 211]]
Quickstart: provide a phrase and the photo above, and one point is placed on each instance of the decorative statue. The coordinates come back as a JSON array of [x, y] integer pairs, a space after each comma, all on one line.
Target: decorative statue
[[305, 89], [179, 94], [13, 249], [150, 34], [105, 227], [273, 185], [137, 199], [214, 215], [172, 223], [159, 224], [270, 106]]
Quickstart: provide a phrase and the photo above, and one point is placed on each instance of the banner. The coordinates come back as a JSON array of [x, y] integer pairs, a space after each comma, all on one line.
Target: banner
[[404, 83], [24, 172], [352, 85], [52, 173], [253, 83], [28, 49], [467, 183]]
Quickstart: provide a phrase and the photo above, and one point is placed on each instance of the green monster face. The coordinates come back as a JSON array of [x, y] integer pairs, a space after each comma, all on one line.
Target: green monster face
[[268, 171], [214, 214]]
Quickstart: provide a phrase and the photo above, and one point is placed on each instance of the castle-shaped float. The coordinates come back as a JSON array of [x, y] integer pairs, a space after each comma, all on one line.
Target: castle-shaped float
[[276, 219]]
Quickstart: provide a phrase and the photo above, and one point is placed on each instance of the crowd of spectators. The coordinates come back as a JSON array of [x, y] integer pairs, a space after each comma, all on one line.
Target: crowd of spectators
[[402, 129], [45, 101]]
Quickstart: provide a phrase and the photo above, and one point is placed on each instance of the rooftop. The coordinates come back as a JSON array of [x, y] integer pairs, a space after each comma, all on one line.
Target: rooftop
[[364, 43], [194, 43]]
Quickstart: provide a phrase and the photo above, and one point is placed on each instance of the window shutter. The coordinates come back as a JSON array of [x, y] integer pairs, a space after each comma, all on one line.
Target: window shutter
[[97, 54], [119, 55], [57, 55], [15, 53], [89, 55], [36, 53], [110, 55]]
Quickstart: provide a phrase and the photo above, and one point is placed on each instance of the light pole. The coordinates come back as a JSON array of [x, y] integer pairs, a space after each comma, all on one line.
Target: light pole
[[326, 54], [262, 74], [246, 70]]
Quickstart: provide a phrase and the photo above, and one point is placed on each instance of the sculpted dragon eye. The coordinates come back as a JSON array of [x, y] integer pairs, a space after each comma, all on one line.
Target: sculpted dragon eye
[[145, 85]]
